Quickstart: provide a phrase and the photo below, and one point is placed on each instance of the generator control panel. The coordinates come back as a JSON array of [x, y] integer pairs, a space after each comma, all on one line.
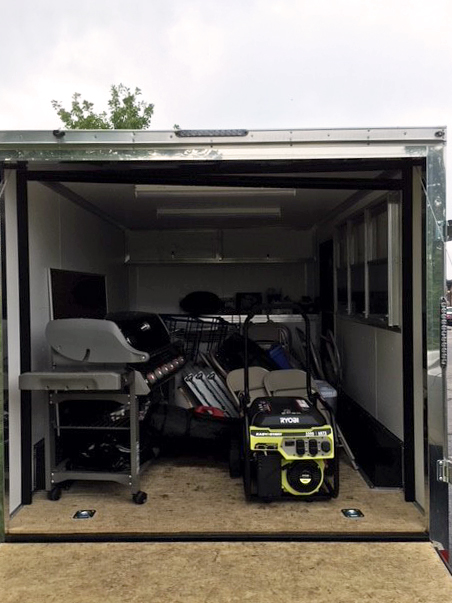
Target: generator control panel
[[294, 445]]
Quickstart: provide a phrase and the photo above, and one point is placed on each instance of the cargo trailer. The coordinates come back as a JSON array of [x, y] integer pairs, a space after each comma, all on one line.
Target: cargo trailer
[[350, 223]]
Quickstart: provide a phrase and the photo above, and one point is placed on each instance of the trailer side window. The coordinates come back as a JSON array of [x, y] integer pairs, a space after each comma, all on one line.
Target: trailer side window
[[368, 263], [357, 267], [342, 268], [377, 264]]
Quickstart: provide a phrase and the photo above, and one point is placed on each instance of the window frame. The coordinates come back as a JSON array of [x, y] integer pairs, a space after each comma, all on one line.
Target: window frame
[[391, 205]]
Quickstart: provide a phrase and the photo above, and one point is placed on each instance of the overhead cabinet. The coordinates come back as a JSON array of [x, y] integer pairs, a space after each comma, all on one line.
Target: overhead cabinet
[[258, 245]]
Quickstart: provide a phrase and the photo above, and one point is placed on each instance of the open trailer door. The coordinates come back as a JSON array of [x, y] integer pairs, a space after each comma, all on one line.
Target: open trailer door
[[440, 464], [2, 427], [14, 408]]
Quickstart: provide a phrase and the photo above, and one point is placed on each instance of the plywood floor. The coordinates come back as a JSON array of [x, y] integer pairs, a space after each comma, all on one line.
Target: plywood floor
[[188, 498], [223, 573]]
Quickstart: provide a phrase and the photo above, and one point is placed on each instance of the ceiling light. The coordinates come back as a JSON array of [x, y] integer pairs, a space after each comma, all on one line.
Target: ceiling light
[[152, 190], [220, 212]]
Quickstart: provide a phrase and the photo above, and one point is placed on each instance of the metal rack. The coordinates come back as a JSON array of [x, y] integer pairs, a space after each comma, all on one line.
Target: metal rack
[[197, 335]]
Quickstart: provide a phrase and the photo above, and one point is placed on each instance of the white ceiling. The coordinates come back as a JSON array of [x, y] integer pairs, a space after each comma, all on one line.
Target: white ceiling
[[304, 210]]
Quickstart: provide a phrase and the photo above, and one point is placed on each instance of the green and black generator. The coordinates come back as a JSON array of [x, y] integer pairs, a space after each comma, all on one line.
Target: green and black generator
[[289, 443]]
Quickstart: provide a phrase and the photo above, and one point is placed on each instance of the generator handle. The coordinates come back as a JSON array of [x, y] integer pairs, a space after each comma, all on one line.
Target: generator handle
[[267, 309]]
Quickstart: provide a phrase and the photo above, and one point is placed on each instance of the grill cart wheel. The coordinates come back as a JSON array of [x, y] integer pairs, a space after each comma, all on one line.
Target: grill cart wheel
[[55, 493], [139, 497]]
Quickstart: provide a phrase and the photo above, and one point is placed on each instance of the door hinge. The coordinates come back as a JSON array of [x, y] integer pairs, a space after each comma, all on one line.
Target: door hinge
[[444, 470]]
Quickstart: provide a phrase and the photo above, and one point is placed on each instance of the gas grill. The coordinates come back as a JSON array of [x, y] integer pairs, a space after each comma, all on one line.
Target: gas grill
[[99, 364], [148, 332]]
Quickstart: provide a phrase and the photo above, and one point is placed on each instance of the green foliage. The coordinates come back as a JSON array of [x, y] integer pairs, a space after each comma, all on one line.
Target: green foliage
[[81, 115], [126, 111]]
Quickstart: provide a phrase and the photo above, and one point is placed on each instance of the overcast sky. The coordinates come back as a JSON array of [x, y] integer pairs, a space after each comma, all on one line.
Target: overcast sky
[[236, 63], [232, 63]]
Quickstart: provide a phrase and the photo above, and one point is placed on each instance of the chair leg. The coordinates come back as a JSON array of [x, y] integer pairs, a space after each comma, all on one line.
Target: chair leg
[[346, 447]]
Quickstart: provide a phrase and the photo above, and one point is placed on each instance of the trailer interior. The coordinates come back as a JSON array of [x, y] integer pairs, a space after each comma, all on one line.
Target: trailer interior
[[340, 237]]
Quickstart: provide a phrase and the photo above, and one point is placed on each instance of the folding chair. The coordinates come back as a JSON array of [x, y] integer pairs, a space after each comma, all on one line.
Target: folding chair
[[235, 381], [292, 382]]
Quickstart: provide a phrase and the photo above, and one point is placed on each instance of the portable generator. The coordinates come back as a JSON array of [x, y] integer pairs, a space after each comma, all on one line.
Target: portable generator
[[289, 442]]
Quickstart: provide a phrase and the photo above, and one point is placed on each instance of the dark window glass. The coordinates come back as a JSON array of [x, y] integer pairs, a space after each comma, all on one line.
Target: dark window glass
[[342, 247], [379, 234], [357, 289], [342, 300], [378, 287]]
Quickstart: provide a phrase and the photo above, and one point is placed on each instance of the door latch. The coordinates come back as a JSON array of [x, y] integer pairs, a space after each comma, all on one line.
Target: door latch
[[444, 471]]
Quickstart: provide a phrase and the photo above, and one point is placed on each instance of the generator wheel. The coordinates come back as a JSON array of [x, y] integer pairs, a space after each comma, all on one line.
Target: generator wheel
[[246, 460], [235, 459]]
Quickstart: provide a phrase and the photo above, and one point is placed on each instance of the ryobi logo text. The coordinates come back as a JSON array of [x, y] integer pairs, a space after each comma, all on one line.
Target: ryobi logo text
[[289, 419]]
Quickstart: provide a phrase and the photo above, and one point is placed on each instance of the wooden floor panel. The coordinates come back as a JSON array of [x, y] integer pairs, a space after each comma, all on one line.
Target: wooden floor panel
[[196, 499], [223, 572]]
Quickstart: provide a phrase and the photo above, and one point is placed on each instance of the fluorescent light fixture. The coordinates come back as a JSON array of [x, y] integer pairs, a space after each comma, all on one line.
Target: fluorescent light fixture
[[153, 190], [219, 212]]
